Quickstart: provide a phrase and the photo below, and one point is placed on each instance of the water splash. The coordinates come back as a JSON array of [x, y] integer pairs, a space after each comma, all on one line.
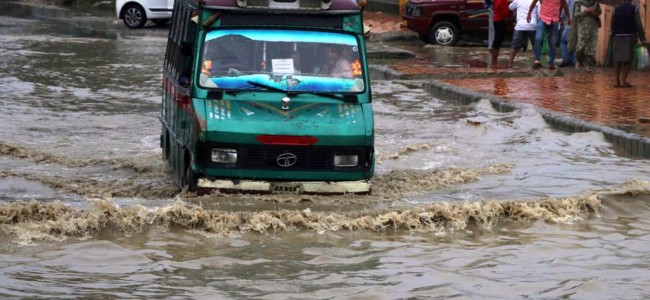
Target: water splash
[[32, 221], [404, 151], [26, 222], [400, 183]]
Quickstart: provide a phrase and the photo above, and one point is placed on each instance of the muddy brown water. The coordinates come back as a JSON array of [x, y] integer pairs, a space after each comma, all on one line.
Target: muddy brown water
[[468, 202]]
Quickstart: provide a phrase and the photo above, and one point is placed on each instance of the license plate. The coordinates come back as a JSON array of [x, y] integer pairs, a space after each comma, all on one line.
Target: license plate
[[285, 188]]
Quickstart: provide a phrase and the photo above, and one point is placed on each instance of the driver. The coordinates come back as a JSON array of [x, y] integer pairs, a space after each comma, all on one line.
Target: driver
[[337, 64]]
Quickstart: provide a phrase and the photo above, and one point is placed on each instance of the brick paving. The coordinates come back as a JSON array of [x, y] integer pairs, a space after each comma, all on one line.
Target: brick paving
[[587, 96], [382, 22]]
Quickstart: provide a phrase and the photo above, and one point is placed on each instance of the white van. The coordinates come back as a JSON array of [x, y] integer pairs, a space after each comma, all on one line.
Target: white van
[[135, 13]]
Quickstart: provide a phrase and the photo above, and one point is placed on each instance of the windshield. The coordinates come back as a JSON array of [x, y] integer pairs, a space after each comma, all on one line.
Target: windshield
[[286, 60]]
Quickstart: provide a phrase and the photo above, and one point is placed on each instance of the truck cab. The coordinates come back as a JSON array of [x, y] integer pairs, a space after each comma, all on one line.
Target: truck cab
[[268, 97]]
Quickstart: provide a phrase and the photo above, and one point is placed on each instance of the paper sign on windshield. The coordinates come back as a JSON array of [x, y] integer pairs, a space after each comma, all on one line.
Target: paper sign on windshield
[[282, 66]]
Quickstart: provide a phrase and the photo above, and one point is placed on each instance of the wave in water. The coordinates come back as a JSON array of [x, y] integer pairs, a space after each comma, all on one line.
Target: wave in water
[[25, 222]]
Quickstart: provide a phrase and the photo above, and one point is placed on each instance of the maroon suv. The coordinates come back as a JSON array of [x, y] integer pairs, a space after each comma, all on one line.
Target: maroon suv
[[442, 21]]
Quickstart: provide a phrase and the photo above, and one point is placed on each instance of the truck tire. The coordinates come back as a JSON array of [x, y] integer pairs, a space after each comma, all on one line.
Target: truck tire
[[164, 144], [190, 179], [444, 33]]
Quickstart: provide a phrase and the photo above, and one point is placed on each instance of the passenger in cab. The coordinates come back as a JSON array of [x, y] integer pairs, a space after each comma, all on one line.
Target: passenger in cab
[[337, 64]]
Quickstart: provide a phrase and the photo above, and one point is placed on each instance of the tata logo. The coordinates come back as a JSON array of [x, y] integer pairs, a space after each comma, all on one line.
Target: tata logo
[[286, 160]]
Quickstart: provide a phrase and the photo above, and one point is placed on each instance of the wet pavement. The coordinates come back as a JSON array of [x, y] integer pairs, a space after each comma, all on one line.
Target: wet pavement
[[586, 96]]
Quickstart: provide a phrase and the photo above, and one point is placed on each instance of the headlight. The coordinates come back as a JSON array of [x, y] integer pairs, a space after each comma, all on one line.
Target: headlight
[[224, 156], [413, 11], [346, 160]]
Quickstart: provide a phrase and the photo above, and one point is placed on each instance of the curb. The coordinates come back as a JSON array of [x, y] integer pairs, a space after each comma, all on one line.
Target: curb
[[631, 144], [381, 72]]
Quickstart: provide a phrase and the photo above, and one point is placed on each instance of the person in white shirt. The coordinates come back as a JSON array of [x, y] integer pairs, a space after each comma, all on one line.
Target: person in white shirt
[[337, 64], [524, 31]]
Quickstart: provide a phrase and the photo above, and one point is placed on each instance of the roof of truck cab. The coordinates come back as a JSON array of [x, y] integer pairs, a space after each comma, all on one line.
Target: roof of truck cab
[[344, 5]]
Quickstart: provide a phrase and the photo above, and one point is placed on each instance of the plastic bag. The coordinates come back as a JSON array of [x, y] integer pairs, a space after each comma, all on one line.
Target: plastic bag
[[640, 57]]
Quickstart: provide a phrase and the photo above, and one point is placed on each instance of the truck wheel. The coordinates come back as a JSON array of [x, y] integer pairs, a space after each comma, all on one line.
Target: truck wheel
[[164, 144], [444, 33], [190, 179]]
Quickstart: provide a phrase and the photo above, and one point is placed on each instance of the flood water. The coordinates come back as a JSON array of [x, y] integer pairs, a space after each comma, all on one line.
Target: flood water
[[467, 202]]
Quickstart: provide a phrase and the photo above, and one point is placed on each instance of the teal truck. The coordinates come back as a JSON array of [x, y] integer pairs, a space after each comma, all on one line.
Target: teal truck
[[268, 96]]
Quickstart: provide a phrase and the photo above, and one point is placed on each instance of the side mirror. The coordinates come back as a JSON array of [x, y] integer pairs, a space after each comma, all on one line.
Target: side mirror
[[186, 48], [366, 31]]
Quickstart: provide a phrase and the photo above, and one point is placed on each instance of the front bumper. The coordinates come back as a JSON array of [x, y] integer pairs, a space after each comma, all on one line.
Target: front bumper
[[417, 25], [362, 187]]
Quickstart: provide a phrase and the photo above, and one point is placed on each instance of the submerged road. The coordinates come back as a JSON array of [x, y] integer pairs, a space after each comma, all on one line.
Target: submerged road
[[468, 201]]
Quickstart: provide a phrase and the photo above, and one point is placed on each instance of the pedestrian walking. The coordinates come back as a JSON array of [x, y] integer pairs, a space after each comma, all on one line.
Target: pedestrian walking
[[524, 31], [568, 55], [584, 32], [549, 18], [498, 14], [626, 27]]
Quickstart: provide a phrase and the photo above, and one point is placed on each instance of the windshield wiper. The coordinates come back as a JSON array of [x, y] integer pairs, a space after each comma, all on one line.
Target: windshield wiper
[[268, 87], [346, 98], [255, 84]]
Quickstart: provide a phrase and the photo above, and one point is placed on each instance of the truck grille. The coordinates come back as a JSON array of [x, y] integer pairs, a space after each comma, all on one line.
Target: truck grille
[[307, 159]]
